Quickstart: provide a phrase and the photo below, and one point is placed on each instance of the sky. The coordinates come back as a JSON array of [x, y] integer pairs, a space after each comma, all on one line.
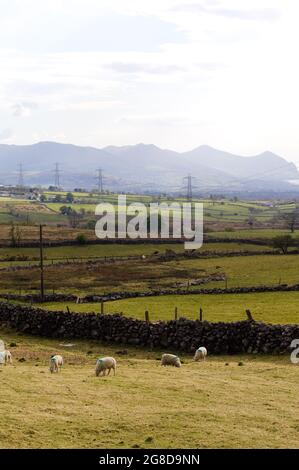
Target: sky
[[175, 73]]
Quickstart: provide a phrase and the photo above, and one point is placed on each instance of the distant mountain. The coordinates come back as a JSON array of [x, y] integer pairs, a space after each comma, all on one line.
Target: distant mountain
[[265, 166], [145, 167]]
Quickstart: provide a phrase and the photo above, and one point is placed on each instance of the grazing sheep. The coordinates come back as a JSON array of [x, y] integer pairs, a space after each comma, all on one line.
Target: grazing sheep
[[170, 360], [105, 363], [56, 362], [5, 357], [200, 354]]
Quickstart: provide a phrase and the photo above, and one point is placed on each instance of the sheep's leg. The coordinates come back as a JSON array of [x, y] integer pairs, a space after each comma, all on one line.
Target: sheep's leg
[[109, 370]]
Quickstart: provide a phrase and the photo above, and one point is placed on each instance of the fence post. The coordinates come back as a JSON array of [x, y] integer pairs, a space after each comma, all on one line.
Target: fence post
[[68, 310], [176, 313], [200, 314], [249, 315], [146, 313]]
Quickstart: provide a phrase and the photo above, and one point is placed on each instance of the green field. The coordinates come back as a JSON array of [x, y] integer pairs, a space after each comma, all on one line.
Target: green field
[[269, 307], [251, 270], [114, 249], [216, 404], [261, 233], [152, 274]]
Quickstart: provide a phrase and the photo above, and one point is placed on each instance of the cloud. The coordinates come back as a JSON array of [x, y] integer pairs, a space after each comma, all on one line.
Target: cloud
[[168, 120], [249, 14], [49, 30], [23, 109], [5, 134], [123, 67]]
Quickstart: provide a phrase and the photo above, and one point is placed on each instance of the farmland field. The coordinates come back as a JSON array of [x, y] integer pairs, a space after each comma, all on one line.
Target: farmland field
[[269, 307], [243, 401], [148, 274], [114, 249]]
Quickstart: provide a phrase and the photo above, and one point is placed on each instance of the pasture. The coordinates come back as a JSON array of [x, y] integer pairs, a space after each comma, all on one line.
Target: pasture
[[151, 274], [219, 214], [102, 250], [269, 307], [226, 402]]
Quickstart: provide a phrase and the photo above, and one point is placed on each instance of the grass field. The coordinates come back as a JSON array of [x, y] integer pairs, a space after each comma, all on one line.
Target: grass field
[[113, 249], [270, 307], [143, 275], [252, 270], [219, 214], [216, 404], [260, 233]]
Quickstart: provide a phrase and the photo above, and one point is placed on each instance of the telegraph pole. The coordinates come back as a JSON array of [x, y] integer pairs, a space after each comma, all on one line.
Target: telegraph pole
[[41, 250]]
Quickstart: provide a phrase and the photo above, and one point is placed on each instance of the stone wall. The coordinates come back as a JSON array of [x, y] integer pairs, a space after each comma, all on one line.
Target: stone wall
[[154, 293], [180, 335]]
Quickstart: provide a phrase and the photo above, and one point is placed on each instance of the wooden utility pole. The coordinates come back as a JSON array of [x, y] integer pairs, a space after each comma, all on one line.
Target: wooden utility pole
[[41, 251]]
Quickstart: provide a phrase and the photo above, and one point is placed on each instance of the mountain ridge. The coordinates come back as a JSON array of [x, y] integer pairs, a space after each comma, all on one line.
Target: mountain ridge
[[146, 163]]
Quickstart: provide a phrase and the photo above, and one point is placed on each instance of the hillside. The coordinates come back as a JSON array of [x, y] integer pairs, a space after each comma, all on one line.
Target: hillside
[[145, 167]]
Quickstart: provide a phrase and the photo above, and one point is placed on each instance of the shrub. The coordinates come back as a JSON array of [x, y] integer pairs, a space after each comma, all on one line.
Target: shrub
[[81, 239]]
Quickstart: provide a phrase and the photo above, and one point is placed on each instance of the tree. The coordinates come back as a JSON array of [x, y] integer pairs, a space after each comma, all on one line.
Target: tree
[[282, 242], [69, 198], [251, 221], [65, 210], [15, 235], [291, 219], [57, 198], [74, 218]]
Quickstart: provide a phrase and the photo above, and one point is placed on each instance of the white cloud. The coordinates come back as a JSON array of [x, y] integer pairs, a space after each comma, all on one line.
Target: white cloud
[[23, 109], [220, 72], [5, 135]]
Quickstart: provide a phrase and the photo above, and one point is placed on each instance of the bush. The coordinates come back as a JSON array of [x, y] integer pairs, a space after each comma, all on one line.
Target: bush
[[81, 239], [91, 224]]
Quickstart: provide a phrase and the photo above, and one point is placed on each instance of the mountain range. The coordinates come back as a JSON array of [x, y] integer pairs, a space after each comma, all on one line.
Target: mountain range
[[145, 167]]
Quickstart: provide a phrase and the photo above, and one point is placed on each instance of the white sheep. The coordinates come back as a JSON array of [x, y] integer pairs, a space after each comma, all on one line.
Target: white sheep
[[56, 362], [105, 363], [200, 354], [5, 357], [170, 360]]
